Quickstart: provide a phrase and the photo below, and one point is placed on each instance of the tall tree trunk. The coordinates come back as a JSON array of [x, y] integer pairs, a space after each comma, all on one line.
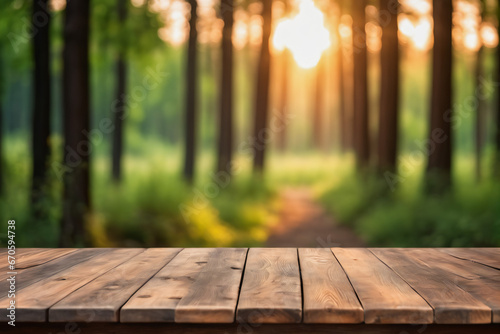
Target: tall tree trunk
[[225, 144], [283, 100], [479, 127], [319, 105], [360, 90], [341, 85], [76, 120], [261, 133], [283, 96], [40, 142], [496, 127], [119, 111], [190, 123], [389, 93], [440, 135], [496, 163]]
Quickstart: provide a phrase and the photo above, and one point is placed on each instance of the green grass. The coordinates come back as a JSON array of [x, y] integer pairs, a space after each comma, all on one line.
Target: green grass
[[468, 216], [152, 206]]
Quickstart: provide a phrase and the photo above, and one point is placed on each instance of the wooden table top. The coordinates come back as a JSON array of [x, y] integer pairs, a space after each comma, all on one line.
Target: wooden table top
[[256, 285]]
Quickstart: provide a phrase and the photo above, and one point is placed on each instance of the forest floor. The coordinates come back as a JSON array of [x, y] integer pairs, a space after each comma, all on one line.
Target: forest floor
[[304, 223]]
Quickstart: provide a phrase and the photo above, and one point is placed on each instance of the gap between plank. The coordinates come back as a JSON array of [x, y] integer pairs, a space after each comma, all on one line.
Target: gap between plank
[[119, 313], [432, 308], [241, 284], [301, 287], [48, 308], [470, 260], [349, 280]]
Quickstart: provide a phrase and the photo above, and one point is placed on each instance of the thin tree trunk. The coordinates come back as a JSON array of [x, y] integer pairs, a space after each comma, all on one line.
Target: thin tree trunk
[[496, 164], [360, 89], [119, 112], [283, 96], [225, 143], [389, 93], [41, 106], [440, 135], [480, 110], [319, 105], [261, 133], [190, 126], [341, 85], [283, 99], [76, 119]]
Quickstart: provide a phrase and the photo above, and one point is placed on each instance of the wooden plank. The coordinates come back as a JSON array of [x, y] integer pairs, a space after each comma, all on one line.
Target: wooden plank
[[173, 328], [101, 299], [480, 281], [157, 300], [451, 304], [34, 300], [24, 261], [213, 296], [29, 257], [29, 276], [327, 293], [385, 297], [271, 289], [486, 256]]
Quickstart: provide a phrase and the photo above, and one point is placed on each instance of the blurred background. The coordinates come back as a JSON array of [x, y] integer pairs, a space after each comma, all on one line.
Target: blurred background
[[250, 123]]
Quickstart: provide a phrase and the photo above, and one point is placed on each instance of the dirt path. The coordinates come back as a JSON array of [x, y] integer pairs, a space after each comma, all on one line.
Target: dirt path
[[304, 223]]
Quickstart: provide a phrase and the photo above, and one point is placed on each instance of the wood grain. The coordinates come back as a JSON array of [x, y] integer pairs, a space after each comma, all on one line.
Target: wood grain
[[385, 297], [487, 256], [29, 276], [480, 281], [157, 300], [101, 299], [327, 293], [44, 255], [213, 296], [30, 257], [34, 300], [271, 289], [451, 304]]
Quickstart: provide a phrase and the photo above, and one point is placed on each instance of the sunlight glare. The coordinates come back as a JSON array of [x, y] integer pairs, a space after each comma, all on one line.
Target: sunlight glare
[[418, 34], [305, 35], [489, 35], [57, 5]]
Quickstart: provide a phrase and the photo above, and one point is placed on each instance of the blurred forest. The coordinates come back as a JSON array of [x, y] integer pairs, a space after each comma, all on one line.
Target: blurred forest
[[180, 122]]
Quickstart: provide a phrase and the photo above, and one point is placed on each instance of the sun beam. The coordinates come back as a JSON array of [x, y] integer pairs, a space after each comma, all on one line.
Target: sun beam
[[305, 35]]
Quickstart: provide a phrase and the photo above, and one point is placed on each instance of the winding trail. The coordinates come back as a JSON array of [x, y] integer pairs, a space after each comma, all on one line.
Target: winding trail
[[304, 223]]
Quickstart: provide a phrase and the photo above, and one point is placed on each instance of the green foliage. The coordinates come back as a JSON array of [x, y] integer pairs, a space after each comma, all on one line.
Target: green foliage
[[468, 216], [15, 201], [152, 206]]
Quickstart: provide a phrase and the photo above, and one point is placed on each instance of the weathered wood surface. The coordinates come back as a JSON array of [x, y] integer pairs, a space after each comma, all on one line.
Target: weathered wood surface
[[34, 300], [328, 294], [271, 289], [101, 299], [487, 256], [451, 304], [480, 281], [386, 298], [157, 300], [213, 296], [324, 289]]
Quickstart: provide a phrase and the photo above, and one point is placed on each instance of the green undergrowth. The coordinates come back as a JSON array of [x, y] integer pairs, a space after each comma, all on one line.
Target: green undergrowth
[[467, 216]]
